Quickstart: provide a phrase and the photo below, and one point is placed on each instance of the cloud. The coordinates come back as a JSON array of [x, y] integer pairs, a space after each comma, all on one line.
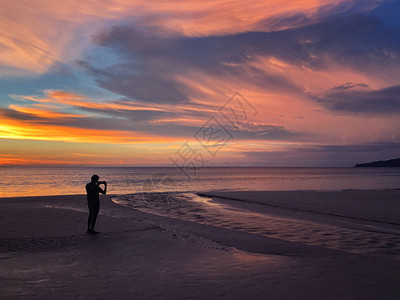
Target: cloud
[[349, 86], [359, 41], [58, 123], [355, 98], [77, 118], [388, 12], [64, 101], [152, 64], [27, 128], [35, 37]]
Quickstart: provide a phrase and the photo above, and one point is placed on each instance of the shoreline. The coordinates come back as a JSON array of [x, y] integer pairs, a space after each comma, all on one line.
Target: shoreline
[[44, 251], [228, 196], [206, 193]]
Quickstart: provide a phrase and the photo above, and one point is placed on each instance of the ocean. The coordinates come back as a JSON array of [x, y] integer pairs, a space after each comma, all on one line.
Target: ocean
[[40, 181]]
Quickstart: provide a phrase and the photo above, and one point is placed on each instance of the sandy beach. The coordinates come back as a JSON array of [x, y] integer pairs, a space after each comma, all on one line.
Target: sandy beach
[[340, 248]]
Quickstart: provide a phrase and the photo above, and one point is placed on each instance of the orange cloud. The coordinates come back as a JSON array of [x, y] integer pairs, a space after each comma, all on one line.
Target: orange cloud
[[80, 101], [65, 159], [15, 129], [26, 160], [43, 113], [66, 100]]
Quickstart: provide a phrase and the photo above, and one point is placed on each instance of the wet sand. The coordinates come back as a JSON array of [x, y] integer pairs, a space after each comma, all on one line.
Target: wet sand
[[45, 251]]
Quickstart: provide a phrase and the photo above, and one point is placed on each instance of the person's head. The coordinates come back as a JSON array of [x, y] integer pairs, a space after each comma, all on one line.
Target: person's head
[[95, 178]]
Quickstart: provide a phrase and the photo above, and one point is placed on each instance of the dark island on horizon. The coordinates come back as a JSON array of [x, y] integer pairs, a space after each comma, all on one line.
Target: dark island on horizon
[[391, 163]]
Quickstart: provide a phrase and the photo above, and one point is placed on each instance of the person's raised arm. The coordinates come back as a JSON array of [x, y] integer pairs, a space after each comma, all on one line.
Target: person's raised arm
[[99, 189], [105, 188]]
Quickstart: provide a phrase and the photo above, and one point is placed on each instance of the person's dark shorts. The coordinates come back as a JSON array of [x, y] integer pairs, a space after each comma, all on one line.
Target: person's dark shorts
[[94, 206]]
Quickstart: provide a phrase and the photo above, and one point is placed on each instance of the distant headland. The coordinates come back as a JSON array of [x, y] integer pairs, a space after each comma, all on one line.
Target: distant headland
[[391, 163]]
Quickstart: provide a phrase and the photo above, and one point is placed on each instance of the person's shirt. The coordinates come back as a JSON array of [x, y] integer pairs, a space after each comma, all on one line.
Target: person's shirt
[[92, 191]]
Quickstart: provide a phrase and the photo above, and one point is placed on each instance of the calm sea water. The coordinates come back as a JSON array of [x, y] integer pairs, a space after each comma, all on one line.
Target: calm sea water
[[25, 181]]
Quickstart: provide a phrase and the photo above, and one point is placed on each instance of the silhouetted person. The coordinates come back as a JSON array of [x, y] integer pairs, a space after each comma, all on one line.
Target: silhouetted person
[[93, 190]]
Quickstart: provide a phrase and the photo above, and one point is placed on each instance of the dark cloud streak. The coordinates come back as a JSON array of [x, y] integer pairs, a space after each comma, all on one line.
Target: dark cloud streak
[[349, 98]]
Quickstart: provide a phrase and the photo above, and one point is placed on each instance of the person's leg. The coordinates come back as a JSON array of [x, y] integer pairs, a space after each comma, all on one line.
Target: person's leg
[[93, 223], [94, 213], [90, 218], [89, 221]]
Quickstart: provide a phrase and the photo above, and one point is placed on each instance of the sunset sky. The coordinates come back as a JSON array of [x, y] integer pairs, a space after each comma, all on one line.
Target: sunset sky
[[246, 83]]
